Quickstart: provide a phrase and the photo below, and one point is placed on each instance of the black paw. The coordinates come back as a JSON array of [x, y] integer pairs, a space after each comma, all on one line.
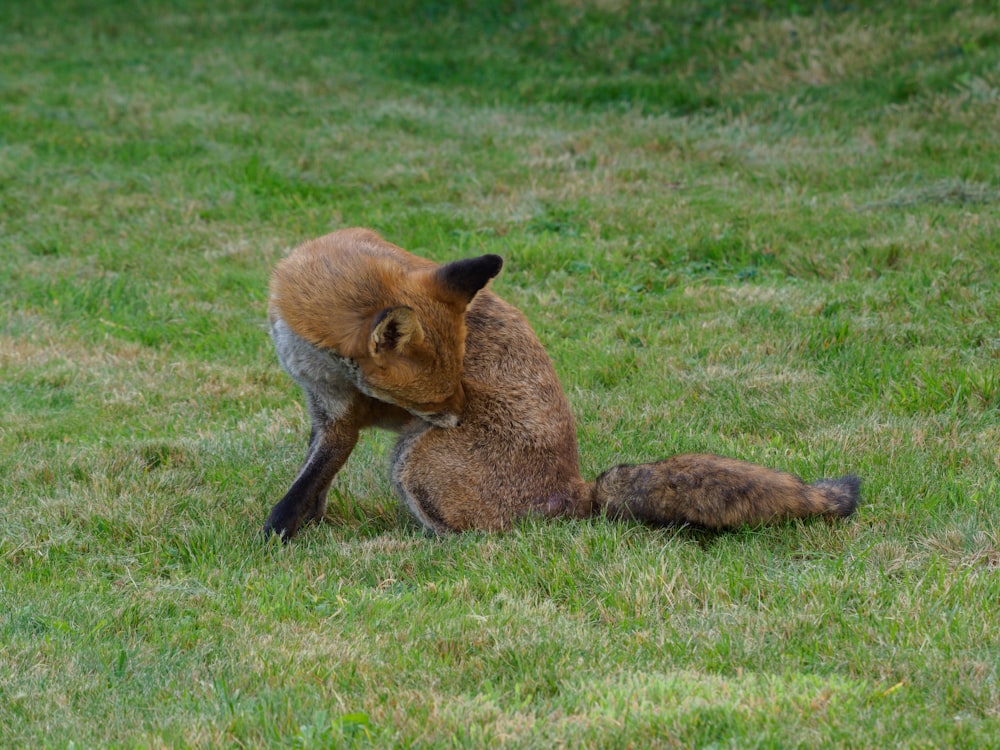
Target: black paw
[[280, 528]]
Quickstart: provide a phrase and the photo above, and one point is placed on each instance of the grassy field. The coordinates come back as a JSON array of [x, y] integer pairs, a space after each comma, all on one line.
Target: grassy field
[[768, 232]]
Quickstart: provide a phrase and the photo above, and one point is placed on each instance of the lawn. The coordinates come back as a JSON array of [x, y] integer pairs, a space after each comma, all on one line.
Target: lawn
[[766, 230]]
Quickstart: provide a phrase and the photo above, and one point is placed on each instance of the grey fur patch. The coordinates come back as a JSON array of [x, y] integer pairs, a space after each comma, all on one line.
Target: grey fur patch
[[329, 379]]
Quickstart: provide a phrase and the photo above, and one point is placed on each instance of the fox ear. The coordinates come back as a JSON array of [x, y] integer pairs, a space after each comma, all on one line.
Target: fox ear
[[392, 330], [461, 279]]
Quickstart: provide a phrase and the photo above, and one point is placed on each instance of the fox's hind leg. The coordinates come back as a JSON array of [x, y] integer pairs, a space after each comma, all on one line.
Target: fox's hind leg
[[434, 473], [468, 477]]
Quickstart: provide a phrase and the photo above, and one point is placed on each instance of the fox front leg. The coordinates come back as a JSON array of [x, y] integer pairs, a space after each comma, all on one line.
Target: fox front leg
[[331, 441]]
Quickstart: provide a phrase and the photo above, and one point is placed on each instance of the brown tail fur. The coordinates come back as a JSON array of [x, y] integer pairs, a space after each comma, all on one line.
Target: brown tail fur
[[715, 492]]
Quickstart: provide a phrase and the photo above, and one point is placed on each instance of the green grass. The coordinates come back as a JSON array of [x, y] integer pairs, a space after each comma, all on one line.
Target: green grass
[[768, 232]]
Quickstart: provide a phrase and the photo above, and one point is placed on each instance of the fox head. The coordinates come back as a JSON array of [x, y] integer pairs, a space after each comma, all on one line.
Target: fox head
[[399, 318], [415, 350]]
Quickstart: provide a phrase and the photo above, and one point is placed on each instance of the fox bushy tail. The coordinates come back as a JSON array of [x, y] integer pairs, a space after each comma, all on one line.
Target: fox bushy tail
[[717, 493]]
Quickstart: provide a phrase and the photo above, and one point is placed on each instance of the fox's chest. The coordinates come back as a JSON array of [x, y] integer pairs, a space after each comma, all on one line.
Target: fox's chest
[[323, 374]]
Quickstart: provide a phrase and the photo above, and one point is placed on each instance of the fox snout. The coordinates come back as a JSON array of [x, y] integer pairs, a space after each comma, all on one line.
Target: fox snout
[[443, 419], [451, 411]]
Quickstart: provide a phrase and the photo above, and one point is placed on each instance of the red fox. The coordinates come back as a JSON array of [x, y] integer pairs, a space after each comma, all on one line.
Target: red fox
[[378, 337]]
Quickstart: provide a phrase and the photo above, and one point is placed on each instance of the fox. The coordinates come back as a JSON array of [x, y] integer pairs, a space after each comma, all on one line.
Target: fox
[[377, 337]]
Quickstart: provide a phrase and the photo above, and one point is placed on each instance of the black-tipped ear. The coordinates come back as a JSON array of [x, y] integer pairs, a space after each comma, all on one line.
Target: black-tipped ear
[[463, 278]]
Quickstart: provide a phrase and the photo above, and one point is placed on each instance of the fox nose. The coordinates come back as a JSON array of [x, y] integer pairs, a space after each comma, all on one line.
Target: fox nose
[[444, 419], [456, 406], [451, 411]]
